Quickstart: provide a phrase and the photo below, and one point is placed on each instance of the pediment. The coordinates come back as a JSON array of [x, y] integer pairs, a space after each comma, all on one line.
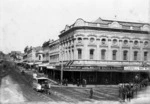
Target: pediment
[[115, 25], [145, 28], [79, 22]]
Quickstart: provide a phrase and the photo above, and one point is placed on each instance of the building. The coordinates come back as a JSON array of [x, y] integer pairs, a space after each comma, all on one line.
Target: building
[[32, 54], [104, 51]]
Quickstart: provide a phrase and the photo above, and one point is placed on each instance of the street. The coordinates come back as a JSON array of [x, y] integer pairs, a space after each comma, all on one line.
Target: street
[[18, 88]]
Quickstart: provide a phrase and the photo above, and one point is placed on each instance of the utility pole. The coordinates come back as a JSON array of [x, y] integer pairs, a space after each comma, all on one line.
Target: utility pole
[[61, 67]]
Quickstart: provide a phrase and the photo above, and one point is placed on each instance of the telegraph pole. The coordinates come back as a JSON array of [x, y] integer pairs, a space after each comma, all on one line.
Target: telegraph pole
[[61, 67]]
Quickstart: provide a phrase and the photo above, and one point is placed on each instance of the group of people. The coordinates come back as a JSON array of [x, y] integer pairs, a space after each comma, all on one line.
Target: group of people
[[65, 82], [126, 91], [82, 82]]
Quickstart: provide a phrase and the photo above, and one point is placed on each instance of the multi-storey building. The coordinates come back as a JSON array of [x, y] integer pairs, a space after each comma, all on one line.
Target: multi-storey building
[[104, 51], [32, 54]]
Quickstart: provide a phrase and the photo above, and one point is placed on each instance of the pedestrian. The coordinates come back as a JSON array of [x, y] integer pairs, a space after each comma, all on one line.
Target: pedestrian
[[66, 81], [124, 92], [85, 82], [49, 88], [91, 93], [78, 83]]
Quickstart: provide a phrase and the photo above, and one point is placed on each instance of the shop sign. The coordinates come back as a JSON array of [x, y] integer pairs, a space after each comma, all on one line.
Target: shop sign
[[136, 68]]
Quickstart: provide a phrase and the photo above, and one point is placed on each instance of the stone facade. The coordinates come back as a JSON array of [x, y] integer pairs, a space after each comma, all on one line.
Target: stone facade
[[105, 42]]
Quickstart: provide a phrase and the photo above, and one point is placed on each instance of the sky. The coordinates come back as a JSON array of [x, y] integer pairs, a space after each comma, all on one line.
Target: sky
[[32, 22]]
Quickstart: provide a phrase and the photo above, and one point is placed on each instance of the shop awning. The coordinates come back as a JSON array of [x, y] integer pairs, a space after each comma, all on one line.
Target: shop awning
[[51, 67], [30, 63], [37, 63], [43, 65]]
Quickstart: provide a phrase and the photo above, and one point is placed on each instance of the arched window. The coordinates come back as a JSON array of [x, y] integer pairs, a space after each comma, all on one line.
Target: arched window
[[114, 54], [91, 39], [125, 42], [39, 57], [145, 56], [91, 53], [136, 42], [146, 43], [79, 40], [125, 55], [103, 41], [135, 57], [103, 54], [114, 41], [79, 53]]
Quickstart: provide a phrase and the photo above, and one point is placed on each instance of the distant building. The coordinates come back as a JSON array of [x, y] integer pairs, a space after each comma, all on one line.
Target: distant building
[[32, 54], [16, 55]]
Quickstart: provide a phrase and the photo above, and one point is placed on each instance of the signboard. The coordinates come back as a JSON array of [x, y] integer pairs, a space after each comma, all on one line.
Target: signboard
[[131, 68]]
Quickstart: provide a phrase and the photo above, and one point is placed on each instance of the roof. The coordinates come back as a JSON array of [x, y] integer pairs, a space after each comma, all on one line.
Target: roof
[[109, 24]]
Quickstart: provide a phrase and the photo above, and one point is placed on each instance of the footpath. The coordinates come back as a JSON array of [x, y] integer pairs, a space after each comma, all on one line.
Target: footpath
[[56, 84]]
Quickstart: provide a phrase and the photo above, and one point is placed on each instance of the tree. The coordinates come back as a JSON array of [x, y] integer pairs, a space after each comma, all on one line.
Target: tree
[[26, 49]]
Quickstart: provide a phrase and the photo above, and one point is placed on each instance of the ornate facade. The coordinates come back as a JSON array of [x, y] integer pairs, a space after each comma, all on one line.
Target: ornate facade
[[91, 49]]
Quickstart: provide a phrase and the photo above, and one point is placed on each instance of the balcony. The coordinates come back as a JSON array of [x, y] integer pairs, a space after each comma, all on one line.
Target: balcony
[[106, 63]]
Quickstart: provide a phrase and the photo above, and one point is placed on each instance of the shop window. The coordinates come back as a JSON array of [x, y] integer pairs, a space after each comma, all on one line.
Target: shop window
[[125, 55], [135, 55], [103, 54], [114, 54], [103, 41], [91, 53], [79, 53], [145, 56]]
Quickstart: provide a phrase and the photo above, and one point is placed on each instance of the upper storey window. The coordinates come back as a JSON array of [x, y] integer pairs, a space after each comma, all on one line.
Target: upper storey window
[[79, 40], [136, 42], [103, 41], [92, 40], [114, 41], [125, 42], [146, 43]]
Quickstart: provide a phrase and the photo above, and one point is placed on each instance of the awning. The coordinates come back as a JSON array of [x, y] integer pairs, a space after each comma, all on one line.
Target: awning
[[37, 63], [30, 63], [43, 65], [50, 67]]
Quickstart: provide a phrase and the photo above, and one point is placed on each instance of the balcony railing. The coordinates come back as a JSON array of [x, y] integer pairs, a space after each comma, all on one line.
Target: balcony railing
[[107, 63]]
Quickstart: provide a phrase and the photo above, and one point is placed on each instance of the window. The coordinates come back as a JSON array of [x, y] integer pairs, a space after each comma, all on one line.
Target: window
[[135, 42], [146, 43], [135, 55], [91, 39], [125, 55], [125, 42], [114, 55], [79, 40], [103, 41], [103, 54], [79, 54], [91, 53], [114, 41], [145, 56], [39, 57]]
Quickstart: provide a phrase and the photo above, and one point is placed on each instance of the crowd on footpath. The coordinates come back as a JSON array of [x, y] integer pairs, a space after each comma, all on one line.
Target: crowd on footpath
[[128, 91]]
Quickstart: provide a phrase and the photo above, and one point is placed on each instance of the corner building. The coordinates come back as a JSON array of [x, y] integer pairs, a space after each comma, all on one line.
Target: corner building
[[104, 51]]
